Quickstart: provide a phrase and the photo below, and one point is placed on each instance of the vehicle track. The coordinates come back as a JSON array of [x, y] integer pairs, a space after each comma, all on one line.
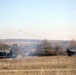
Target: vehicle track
[[37, 70]]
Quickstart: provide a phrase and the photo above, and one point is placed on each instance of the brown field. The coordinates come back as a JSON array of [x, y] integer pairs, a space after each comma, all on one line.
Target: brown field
[[52, 65]]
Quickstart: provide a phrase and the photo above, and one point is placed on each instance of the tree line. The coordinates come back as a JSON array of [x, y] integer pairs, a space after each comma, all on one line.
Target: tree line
[[45, 48]]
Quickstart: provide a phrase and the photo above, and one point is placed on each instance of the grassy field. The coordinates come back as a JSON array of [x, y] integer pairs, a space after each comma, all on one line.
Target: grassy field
[[52, 65]]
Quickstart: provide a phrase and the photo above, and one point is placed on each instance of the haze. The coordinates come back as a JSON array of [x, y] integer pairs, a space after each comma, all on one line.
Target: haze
[[38, 19]]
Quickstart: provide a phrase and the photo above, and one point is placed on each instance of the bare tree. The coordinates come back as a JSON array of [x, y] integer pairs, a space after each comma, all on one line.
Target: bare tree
[[45, 48], [4, 46], [45, 45], [59, 49], [72, 44]]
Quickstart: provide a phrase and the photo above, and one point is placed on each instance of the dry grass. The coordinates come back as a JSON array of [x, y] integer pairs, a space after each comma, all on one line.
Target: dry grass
[[55, 65]]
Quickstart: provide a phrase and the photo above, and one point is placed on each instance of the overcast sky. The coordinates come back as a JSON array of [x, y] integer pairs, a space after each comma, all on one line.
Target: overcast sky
[[38, 19]]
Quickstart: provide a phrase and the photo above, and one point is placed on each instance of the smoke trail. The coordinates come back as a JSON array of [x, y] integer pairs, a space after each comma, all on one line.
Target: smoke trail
[[31, 34]]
